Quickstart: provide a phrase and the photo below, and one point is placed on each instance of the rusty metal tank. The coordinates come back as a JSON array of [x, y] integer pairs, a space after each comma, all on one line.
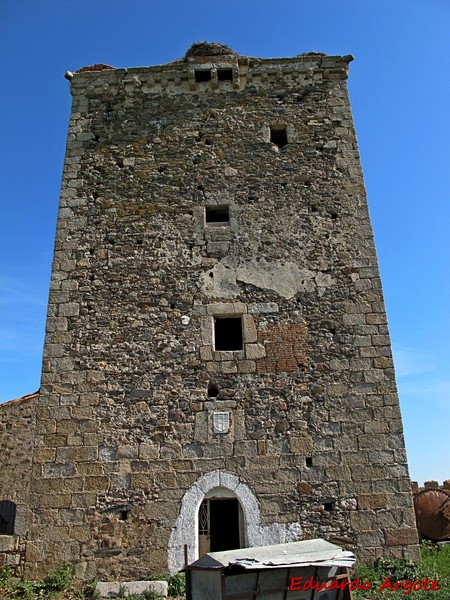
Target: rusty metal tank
[[432, 507]]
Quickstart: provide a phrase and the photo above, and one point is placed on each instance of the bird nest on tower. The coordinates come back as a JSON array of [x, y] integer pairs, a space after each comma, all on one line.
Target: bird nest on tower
[[208, 49]]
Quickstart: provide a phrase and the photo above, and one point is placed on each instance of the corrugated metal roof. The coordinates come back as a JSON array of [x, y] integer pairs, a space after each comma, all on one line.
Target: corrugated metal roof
[[319, 553]]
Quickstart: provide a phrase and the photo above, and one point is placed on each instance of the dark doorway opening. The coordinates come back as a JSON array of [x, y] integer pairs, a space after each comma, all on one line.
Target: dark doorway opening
[[7, 517], [224, 520], [219, 527]]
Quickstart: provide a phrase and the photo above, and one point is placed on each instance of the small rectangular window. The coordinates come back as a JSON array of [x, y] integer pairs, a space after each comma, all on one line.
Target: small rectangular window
[[278, 136], [217, 215], [203, 75], [228, 333], [225, 74]]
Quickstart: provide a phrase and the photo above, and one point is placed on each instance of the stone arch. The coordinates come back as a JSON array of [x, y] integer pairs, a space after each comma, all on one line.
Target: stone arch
[[185, 530]]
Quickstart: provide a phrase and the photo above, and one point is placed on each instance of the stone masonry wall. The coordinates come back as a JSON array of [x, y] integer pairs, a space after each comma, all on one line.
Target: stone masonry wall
[[17, 426], [126, 447]]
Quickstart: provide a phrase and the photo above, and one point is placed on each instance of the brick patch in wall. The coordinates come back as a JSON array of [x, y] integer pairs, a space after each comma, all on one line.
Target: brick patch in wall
[[286, 348]]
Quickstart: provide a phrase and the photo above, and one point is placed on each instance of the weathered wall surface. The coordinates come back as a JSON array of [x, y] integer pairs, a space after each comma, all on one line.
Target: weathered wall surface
[[125, 423], [17, 427]]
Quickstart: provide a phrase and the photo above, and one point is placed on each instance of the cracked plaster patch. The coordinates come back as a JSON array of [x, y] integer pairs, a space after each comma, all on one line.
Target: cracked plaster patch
[[284, 278]]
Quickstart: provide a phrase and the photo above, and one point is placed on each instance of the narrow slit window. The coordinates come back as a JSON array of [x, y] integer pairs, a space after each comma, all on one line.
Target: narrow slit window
[[225, 74], [217, 215], [228, 333], [278, 136], [203, 75]]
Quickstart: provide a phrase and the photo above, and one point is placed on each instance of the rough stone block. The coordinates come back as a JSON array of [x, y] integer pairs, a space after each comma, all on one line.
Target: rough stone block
[[66, 426], [201, 427], [217, 248], [223, 448], [253, 351], [213, 367], [148, 451], [246, 366], [228, 355], [8, 543], [128, 588], [248, 329], [96, 483], [228, 366], [13, 560], [302, 444], [370, 539], [206, 352], [44, 455], [90, 468], [58, 470], [371, 501], [402, 537], [207, 330], [372, 442], [69, 310], [55, 501], [107, 453], [247, 448], [74, 455], [263, 308], [127, 451], [227, 308], [369, 472]]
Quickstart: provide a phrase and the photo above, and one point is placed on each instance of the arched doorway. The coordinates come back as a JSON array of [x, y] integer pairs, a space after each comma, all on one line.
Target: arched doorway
[[184, 538], [220, 522]]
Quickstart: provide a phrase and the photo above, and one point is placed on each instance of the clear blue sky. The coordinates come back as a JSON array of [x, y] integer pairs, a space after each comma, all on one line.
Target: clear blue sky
[[400, 91]]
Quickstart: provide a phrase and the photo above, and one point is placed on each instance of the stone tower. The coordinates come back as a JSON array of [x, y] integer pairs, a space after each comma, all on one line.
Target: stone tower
[[217, 366]]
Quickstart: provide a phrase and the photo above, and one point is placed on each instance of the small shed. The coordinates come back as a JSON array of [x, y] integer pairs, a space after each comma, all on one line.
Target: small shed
[[295, 571]]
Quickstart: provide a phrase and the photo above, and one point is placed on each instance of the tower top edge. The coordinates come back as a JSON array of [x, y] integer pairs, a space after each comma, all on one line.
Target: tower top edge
[[223, 70], [200, 59]]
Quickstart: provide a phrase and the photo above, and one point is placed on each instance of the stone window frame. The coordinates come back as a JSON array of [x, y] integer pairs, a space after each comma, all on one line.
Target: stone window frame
[[216, 236], [200, 215], [291, 133], [214, 82], [230, 361]]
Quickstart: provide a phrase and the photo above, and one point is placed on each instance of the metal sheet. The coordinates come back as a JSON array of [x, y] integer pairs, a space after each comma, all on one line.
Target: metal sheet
[[309, 552]]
